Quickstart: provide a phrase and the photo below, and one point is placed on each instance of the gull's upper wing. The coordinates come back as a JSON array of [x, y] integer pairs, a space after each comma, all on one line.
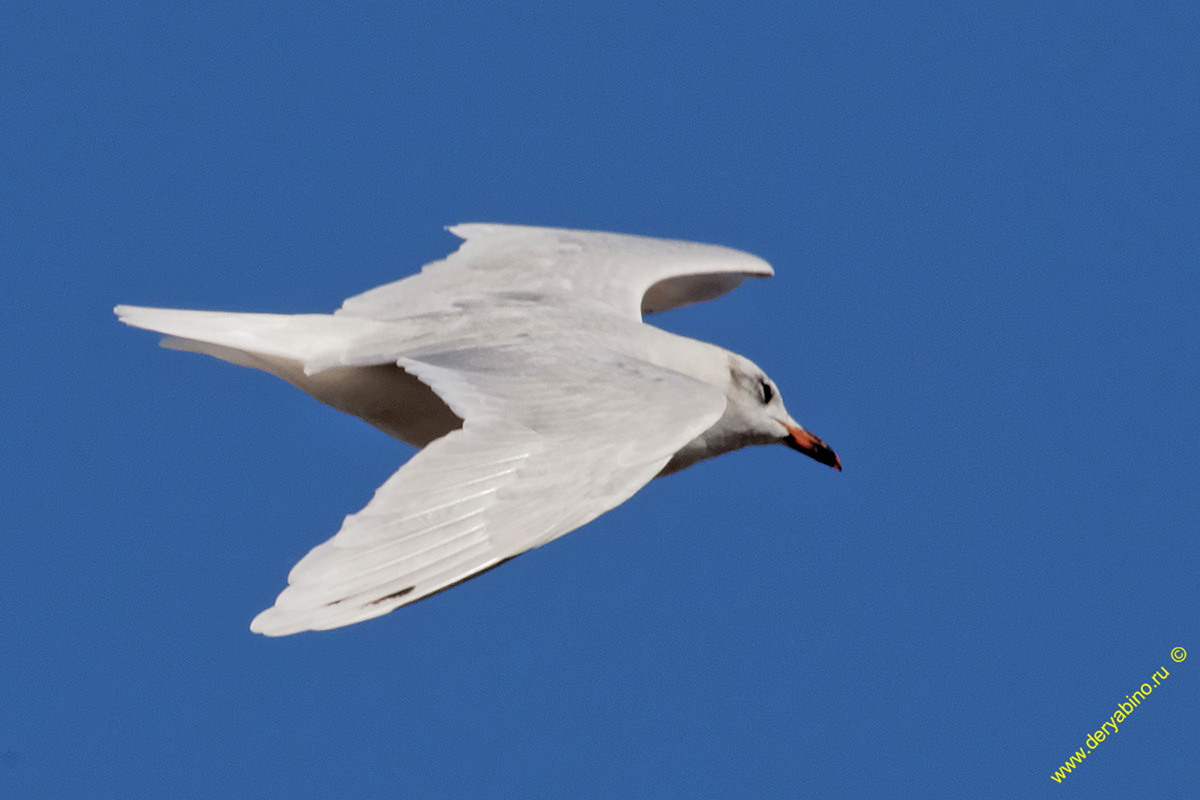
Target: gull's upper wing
[[517, 264], [552, 438]]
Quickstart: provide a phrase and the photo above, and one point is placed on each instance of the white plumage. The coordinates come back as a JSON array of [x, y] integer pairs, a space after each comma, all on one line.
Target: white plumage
[[521, 366]]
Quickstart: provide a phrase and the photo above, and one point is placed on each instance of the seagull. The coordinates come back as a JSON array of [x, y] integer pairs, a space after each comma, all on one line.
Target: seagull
[[538, 399]]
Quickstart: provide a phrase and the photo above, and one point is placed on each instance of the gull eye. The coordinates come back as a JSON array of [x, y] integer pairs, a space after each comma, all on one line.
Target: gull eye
[[768, 394]]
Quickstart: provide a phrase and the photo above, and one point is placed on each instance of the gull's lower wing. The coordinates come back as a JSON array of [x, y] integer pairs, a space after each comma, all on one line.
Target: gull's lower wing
[[551, 440]]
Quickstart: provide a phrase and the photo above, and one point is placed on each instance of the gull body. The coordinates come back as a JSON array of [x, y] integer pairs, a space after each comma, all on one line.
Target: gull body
[[521, 368]]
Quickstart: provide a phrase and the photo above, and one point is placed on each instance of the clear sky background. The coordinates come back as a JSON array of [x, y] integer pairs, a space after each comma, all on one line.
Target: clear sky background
[[985, 222]]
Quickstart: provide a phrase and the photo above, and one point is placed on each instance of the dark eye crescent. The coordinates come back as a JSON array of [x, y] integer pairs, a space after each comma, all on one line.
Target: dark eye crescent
[[767, 392]]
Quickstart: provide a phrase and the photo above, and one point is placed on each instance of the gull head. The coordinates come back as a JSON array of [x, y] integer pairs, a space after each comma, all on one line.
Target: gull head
[[754, 415], [755, 406]]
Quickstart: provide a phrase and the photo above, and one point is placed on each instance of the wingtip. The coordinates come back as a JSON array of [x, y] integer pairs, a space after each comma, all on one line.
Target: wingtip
[[267, 624], [464, 230], [757, 266]]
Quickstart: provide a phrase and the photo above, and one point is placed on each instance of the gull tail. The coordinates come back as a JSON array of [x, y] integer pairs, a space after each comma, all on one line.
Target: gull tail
[[345, 362], [311, 341]]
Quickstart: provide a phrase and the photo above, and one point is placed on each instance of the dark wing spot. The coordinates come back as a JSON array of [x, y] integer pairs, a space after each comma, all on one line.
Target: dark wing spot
[[391, 596], [475, 574], [522, 297], [403, 592]]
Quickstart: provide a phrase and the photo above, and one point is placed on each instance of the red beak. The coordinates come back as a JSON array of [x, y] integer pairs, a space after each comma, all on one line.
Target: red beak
[[812, 446]]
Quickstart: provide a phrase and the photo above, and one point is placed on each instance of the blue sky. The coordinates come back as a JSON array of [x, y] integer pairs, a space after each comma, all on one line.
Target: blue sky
[[983, 220]]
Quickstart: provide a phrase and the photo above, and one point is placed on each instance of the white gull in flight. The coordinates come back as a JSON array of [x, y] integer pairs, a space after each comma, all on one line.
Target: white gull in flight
[[521, 368]]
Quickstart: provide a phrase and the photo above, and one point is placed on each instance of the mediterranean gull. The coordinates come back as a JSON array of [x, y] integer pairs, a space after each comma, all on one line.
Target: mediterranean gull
[[520, 367]]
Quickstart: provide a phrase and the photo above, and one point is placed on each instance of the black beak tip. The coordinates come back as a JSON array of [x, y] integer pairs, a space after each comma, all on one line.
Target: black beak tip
[[815, 449], [827, 457]]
